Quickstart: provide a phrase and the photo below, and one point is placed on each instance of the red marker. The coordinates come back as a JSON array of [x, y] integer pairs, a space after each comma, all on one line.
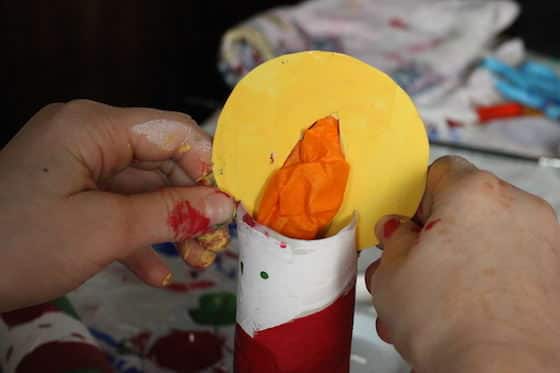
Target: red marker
[[506, 110]]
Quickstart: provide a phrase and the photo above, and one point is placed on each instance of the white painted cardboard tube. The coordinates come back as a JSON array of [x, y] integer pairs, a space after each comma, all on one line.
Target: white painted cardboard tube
[[282, 279]]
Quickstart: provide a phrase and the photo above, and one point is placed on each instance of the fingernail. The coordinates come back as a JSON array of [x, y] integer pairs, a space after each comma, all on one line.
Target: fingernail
[[207, 258], [390, 227], [382, 331], [167, 279], [186, 248], [369, 273], [219, 208]]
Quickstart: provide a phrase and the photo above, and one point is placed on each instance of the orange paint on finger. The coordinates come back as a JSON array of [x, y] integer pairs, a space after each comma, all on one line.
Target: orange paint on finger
[[184, 148], [303, 196]]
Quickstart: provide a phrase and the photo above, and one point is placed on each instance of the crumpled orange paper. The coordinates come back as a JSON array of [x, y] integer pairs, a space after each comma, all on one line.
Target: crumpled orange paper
[[303, 196]]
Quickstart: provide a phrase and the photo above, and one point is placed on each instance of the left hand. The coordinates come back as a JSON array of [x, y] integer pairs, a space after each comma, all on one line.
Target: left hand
[[85, 184]]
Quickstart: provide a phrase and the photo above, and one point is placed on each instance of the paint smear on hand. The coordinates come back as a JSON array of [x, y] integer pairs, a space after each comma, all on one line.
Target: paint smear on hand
[[166, 134], [214, 241], [303, 196], [187, 222], [431, 224]]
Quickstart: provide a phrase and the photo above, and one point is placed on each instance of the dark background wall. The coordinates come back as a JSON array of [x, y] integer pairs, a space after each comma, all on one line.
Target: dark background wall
[[144, 52], [124, 52]]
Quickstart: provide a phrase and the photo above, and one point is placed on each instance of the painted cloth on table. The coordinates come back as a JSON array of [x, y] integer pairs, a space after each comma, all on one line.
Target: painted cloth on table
[[131, 327], [51, 338], [303, 196]]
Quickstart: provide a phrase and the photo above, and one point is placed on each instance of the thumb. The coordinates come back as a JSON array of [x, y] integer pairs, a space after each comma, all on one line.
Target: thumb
[[169, 214], [397, 235], [177, 214]]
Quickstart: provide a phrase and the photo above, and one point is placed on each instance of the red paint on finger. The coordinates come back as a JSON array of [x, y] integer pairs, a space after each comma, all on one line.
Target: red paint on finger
[[390, 227], [204, 168], [431, 224], [223, 193], [187, 222], [248, 219]]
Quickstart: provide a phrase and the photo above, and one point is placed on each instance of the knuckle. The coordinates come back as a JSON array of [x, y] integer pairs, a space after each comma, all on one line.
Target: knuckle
[[184, 116], [546, 210], [449, 162], [77, 108], [481, 178], [80, 103], [168, 198], [477, 188]]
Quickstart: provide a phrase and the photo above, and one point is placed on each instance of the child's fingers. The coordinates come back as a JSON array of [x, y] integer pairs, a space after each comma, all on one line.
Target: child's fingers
[[398, 235], [173, 173], [111, 138], [118, 223], [195, 255], [132, 180], [148, 266], [442, 173]]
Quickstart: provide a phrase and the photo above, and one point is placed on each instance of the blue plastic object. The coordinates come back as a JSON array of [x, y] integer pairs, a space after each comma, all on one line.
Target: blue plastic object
[[532, 84]]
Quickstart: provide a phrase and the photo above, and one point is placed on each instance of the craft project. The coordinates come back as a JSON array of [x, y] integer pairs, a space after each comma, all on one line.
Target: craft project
[[383, 138], [301, 198], [316, 146]]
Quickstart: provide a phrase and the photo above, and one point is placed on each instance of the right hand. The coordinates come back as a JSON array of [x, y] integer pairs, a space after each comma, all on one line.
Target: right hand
[[472, 284]]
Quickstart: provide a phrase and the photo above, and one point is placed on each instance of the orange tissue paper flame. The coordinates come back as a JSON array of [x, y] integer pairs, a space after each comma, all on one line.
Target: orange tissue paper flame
[[301, 198]]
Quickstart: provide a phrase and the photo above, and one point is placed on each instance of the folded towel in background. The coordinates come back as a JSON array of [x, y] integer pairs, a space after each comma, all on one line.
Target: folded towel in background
[[422, 44]]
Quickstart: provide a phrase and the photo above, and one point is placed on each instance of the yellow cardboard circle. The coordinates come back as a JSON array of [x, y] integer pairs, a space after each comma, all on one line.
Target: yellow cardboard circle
[[383, 137]]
